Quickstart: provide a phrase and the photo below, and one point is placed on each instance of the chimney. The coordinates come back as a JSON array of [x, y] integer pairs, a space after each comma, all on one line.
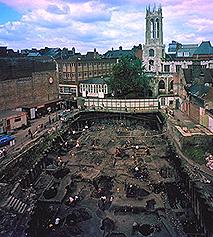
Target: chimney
[[73, 50]]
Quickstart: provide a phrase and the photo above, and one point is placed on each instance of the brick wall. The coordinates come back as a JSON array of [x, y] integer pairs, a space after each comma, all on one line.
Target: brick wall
[[26, 91], [194, 112]]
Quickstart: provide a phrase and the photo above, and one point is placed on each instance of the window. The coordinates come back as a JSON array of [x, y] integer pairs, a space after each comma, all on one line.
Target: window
[[163, 101], [79, 74], [180, 54], [69, 90], [66, 90], [151, 53], [61, 89], [18, 119], [151, 64], [161, 84], [105, 89], [171, 85], [157, 28], [81, 88], [79, 64], [166, 68], [178, 67], [186, 54], [152, 28]]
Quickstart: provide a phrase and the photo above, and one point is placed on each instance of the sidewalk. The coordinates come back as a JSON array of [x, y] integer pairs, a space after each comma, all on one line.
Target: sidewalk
[[36, 127]]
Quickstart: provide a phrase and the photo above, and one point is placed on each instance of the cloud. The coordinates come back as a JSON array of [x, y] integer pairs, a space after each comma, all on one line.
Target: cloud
[[57, 10], [102, 24]]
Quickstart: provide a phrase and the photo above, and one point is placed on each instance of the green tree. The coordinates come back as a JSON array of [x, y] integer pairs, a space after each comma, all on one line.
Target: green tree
[[128, 77]]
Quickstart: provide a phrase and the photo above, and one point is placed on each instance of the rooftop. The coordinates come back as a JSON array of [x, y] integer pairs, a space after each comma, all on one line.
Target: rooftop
[[10, 113], [204, 48]]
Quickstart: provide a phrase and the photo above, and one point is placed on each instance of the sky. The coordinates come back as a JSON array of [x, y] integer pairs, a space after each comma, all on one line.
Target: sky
[[100, 24]]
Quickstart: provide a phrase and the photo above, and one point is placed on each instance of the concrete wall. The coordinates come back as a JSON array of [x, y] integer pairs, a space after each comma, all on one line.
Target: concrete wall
[[184, 142]]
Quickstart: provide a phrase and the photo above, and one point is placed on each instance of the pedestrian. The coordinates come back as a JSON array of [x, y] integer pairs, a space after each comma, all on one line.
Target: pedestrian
[[49, 120], [134, 228], [114, 161], [57, 221], [30, 133], [4, 152]]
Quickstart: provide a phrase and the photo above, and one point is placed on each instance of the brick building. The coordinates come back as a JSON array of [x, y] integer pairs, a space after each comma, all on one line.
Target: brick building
[[28, 84], [76, 69]]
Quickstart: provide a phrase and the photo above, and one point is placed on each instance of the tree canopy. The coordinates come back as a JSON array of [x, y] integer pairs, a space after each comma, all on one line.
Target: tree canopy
[[128, 77]]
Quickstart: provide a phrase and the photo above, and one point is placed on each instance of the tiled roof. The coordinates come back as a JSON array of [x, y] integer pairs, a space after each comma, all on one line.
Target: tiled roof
[[204, 48], [198, 90], [209, 95], [186, 49], [118, 53], [190, 75]]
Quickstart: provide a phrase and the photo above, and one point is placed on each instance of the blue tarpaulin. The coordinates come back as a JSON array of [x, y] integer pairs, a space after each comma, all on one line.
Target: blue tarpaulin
[[6, 139]]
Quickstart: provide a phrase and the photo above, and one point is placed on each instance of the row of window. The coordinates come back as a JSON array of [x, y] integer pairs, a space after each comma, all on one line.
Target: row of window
[[67, 90], [155, 28], [72, 76], [87, 64], [93, 88], [183, 54]]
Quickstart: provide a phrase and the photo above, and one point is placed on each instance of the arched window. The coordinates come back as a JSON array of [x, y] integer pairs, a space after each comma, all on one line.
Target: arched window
[[152, 28], [150, 93], [157, 28], [171, 85], [161, 85], [151, 64], [151, 53]]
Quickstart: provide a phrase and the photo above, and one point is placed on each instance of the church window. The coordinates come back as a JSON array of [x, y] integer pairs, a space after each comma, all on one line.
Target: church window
[[151, 64], [151, 53], [161, 85], [171, 85], [178, 67], [166, 68], [152, 28], [163, 101], [157, 28]]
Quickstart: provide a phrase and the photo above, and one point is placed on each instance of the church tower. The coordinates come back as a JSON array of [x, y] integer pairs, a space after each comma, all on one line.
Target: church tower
[[154, 49]]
